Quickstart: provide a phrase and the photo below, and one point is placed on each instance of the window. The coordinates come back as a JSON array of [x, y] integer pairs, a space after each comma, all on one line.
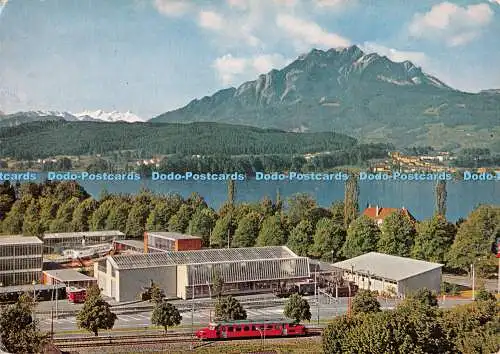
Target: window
[[230, 329], [246, 328], [237, 328]]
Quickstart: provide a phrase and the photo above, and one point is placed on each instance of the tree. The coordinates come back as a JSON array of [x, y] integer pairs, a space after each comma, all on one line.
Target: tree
[[271, 232], [180, 221], [229, 309], [328, 240], [221, 234], [32, 225], [247, 230], [118, 216], [362, 237], [365, 302], [231, 191], [425, 297], [351, 198], [96, 313], [162, 212], [136, 221], [298, 207], [201, 224], [300, 238], [337, 210], [217, 283], [98, 219], [433, 240], [484, 295], [297, 308], [18, 330], [165, 315], [441, 198], [156, 294], [83, 212], [13, 222], [472, 243], [398, 233]]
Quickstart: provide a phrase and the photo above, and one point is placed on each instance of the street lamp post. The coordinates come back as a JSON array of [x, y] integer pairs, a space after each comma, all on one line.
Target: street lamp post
[[210, 310], [473, 282], [192, 311]]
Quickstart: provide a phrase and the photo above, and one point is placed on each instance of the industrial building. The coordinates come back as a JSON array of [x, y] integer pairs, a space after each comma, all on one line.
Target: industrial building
[[170, 241], [178, 273], [55, 243], [68, 277], [391, 274], [128, 246], [21, 260]]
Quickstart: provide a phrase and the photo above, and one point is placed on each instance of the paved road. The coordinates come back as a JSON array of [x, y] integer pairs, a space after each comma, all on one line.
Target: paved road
[[203, 316]]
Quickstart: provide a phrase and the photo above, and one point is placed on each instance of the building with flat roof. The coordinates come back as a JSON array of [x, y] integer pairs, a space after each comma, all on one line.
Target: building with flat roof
[[21, 260], [179, 273], [55, 243], [170, 241], [68, 277], [391, 274], [128, 246]]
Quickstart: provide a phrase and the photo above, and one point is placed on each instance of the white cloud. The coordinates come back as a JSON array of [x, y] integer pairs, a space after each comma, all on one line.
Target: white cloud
[[239, 4], [418, 58], [235, 70], [173, 8], [3, 3], [451, 23], [495, 1], [334, 4], [307, 33], [211, 20]]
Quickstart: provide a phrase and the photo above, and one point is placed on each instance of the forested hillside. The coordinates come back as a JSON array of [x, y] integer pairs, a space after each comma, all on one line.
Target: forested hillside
[[43, 139]]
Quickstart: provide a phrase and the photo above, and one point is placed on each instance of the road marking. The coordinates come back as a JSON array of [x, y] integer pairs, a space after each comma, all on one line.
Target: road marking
[[143, 316], [122, 318]]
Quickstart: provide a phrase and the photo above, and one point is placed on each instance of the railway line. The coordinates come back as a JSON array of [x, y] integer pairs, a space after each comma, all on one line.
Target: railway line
[[147, 339]]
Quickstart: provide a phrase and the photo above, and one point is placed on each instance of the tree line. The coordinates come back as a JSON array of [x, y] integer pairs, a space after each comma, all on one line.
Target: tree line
[[334, 233]]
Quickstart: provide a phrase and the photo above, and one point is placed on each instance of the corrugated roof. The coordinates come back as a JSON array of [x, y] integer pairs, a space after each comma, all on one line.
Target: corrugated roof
[[68, 275], [173, 236], [201, 256], [19, 239], [84, 233], [387, 266], [132, 243]]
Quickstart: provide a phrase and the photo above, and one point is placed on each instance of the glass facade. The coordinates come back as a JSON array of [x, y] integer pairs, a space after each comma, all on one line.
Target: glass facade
[[20, 263]]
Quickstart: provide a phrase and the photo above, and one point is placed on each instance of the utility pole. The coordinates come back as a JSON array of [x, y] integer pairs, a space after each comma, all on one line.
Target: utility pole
[[473, 282], [316, 290], [192, 312]]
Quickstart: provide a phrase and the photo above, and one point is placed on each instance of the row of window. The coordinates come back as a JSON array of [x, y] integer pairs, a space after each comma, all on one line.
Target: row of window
[[19, 250], [20, 263], [162, 243], [19, 278], [246, 328]]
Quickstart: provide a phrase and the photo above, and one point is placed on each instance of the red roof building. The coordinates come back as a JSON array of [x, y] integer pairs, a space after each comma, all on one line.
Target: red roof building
[[378, 214]]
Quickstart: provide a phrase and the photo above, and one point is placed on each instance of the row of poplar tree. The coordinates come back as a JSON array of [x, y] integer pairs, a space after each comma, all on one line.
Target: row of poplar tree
[[332, 234]]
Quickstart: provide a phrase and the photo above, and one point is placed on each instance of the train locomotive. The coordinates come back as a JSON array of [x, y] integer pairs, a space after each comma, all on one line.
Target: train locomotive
[[250, 329]]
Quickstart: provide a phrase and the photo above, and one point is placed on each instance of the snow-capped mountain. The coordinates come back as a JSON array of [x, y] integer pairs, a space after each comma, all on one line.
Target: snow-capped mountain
[[113, 116], [92, 116]]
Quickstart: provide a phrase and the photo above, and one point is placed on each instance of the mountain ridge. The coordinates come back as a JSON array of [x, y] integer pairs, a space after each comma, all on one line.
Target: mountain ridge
[[365, 95]]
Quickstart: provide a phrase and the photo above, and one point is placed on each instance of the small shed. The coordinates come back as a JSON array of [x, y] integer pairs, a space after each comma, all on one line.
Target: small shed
[[69, 277]]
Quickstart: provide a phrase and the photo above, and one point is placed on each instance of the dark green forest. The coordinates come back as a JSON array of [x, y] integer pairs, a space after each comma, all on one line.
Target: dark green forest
[[298, 222], [51, 138]]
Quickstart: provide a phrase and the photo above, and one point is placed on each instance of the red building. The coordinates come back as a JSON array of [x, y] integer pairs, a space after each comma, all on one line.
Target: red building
[[170, 241], [378, 214]]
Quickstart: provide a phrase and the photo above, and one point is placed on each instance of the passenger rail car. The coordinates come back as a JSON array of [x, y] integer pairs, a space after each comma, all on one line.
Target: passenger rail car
[[251, 329]]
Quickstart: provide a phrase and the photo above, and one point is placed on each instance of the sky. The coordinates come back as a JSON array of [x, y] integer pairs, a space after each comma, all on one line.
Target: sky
[[152, 56]]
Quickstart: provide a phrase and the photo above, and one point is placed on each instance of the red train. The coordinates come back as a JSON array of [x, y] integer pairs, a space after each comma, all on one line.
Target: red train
[[76, 295], [251, 329]]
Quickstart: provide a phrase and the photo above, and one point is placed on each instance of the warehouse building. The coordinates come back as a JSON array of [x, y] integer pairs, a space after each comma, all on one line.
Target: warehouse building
[[21, 260], [55, 243], [170, 241], [179, 273], [391, 274]]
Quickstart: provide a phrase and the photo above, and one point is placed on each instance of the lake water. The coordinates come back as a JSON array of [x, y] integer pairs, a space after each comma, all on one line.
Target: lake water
[[417, 197]]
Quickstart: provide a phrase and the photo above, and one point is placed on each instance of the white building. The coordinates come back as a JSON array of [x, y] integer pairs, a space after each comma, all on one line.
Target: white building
[[21, 260], [391, 274], [179, 273]]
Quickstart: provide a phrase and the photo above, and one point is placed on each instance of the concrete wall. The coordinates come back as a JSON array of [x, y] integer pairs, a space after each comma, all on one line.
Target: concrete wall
[[371, 283], [430, 280], [182, 281], [131, 282]]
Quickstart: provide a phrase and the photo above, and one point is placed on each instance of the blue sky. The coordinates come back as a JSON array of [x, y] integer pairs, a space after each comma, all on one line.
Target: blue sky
[[151, 56]]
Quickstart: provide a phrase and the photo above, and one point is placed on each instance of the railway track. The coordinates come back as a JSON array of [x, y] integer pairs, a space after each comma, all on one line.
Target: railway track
[[88, 342]]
